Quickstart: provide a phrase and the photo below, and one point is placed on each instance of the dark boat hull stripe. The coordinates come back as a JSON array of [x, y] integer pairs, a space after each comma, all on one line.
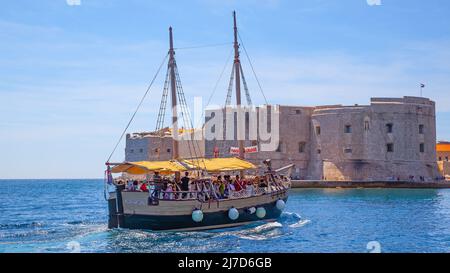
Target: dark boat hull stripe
[[210, 220]]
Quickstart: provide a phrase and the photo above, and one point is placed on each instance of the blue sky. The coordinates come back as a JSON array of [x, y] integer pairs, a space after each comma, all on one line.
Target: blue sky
[[71, 75]]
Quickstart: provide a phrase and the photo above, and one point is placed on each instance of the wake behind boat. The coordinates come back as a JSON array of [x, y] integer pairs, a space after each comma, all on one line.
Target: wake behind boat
[[213, 192]]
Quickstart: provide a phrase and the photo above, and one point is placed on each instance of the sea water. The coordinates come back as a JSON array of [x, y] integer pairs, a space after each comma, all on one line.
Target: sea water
[[71, 216]]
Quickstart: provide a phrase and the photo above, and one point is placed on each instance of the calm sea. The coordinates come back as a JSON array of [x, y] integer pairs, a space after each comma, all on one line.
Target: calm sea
[[71, 215]]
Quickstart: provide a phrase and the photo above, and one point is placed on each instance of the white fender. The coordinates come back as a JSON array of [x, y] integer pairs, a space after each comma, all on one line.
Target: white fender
[[280, 204], [197, 215], [233, 214], [261, 212]]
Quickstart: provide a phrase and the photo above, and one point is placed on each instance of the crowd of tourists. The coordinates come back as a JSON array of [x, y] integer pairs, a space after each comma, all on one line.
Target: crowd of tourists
[[217, 187]]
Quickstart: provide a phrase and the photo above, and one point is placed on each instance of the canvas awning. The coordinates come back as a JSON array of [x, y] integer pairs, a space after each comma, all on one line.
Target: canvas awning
[[220, 164], [171, 166], [143, 167]]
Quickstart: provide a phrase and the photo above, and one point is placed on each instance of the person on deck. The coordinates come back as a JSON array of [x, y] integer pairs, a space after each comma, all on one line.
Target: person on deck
[[168, 192], [130, 185], [238, 184], [135, 185], [156, 177], [185, 184], [222, 189], [250, 189], [144, 187]]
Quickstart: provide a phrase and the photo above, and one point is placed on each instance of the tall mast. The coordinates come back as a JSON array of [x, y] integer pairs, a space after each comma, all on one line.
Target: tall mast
[[237, 66], [173, 89]]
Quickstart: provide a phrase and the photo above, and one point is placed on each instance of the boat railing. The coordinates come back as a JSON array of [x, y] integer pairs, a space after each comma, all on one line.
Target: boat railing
[[247, 193]]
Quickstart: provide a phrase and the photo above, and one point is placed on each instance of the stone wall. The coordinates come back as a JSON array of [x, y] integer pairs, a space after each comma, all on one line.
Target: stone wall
[[332, 142]]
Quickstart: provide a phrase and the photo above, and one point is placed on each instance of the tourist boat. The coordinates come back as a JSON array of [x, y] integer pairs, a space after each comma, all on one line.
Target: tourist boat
[[201, 208]]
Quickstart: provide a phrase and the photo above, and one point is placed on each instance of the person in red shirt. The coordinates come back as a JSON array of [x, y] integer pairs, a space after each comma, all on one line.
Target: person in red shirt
[[238, 184], [144, 187]]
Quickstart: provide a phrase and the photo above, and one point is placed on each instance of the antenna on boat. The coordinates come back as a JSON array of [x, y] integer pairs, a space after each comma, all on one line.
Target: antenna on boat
[[173, 93]]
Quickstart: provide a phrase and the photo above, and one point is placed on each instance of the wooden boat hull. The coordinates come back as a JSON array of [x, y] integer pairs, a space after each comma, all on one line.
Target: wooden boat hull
[[177, 214]]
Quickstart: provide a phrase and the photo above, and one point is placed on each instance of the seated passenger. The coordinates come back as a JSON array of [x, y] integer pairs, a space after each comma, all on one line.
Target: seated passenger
[[135, 185], [250, 189], [237, 184], [144, 187], [130, 185], [168, 192], [222, 189], [262, 183]]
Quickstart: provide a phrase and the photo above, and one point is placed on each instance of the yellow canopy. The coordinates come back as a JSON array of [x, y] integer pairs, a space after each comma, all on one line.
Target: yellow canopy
[[220, 164], [143, 167]]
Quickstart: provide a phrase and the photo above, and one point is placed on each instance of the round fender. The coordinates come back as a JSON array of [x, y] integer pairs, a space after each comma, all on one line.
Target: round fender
[[233, 214], [261, 212], [197, 215], [280, 204]]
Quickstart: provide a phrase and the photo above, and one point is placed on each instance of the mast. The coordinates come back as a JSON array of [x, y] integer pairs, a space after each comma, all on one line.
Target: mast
[[173, 93], [237, 66]]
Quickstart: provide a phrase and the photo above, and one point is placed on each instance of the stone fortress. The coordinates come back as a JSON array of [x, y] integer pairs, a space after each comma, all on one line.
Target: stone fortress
[[390, 139]]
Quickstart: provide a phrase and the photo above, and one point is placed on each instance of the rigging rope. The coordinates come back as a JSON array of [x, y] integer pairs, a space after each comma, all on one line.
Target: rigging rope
[[244, 82], [251, 65], [162, 107], [230, 88], [138, 107]]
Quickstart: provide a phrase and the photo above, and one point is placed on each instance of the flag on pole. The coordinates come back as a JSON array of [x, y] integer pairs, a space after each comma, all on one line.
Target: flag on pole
[[422, 85]]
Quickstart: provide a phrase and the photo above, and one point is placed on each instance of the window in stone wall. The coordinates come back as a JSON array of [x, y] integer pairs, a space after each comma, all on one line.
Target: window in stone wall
[[131, 151], [168, 150], [390, 147], [366, 125], [348, 129], [141, 150], [301, 147], [421, 129], [298, 112], [389, 127], [317, 130], [446, 158], [319, 151], [279, 147], [422, 147], [348, 151]]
